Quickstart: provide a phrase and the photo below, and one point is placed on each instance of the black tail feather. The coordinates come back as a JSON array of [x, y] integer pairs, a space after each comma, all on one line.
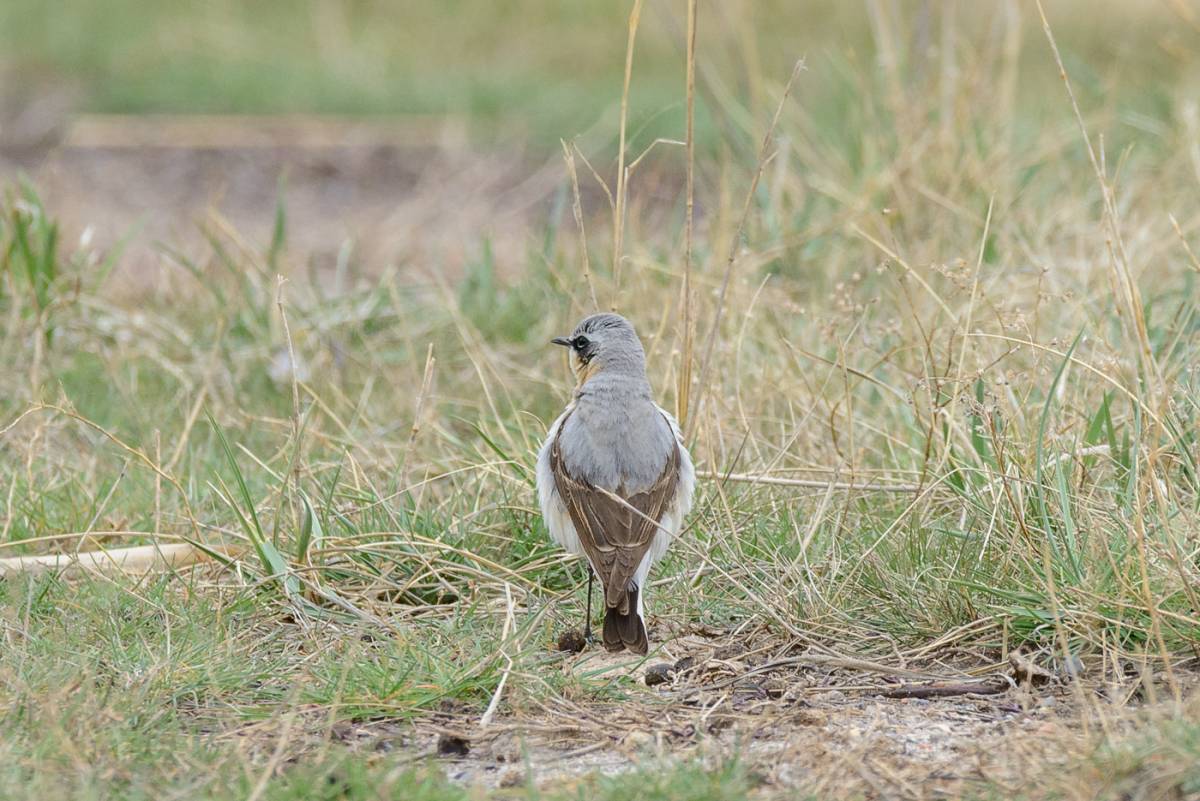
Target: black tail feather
[[627, 630]]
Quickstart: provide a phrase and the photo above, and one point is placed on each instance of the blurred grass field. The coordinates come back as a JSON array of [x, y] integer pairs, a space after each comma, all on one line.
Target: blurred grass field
[[532, 72], [950, 413]]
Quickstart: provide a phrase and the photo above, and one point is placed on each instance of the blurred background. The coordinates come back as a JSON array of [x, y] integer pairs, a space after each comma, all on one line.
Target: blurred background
[[416, 131]]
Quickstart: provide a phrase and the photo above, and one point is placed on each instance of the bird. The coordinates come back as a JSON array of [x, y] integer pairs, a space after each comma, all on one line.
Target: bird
[[614, 477]]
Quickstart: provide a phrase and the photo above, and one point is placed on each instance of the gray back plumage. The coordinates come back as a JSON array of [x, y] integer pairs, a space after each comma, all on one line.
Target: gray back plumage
[[616, 437]]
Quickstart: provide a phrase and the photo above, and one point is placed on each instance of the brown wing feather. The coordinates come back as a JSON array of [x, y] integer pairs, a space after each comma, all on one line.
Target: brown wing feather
[[614, 536]]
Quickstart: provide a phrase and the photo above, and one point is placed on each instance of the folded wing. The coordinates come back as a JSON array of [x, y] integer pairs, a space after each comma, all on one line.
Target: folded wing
[[615, 529]]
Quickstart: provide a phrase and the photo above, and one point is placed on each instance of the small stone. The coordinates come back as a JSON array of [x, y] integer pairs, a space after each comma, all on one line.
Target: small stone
[[571, 641], [1071, 667], [452, 745], [337, 784], [659, 674], [506, 749], [511, 777], [1026, 672], [637, 739]]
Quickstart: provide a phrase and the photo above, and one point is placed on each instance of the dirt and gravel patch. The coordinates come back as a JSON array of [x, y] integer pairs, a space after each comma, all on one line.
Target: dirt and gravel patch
[[815, 722]]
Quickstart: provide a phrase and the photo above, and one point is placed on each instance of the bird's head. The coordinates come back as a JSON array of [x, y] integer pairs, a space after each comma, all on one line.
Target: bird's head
[[604, 343]]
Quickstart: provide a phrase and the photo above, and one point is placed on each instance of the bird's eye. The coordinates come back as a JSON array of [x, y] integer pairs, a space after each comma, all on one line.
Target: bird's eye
[[580, 343]]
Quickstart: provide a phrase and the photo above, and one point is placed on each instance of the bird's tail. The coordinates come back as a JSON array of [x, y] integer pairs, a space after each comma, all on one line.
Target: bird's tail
[[626, 630]]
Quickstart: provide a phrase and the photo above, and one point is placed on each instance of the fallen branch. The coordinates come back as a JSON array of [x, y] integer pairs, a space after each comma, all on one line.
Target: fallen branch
[[942, 690], [829, 661], [138, 559]]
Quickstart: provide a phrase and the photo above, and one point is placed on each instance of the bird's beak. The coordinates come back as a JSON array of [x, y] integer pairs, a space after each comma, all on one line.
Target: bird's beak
[[566, 343]]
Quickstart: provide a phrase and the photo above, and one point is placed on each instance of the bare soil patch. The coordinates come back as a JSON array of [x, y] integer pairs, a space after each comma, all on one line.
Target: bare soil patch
[[399, 193], [818, 724]]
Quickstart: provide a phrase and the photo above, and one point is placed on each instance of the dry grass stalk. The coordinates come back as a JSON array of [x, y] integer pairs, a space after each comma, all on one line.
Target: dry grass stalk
[[1195, 262], [1131, 295], [764, 155], [577, 210], [776, 481], [683, 382], [293, 473], [422, 397], [1149, 369], [509, 626], [635, 16]]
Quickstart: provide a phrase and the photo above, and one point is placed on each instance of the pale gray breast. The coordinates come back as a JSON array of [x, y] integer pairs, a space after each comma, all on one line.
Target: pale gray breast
[[616, 439]]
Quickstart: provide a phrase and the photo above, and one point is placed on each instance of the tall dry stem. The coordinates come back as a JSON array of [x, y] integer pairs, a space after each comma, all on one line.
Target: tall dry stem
[[619, 209], [764, 156], [684, 380]]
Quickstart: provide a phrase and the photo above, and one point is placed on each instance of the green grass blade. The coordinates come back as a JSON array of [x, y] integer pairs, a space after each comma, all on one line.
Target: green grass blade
[[1042, 505], [311, 533]]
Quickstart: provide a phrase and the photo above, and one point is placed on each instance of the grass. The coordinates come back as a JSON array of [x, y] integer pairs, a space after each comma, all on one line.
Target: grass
[[966, 360], [528, 73], [127, 692]]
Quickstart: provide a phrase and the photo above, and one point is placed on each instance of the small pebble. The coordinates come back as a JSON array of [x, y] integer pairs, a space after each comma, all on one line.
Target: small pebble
[[511, 777], [685, 663], [659, 674], [1071, 667]]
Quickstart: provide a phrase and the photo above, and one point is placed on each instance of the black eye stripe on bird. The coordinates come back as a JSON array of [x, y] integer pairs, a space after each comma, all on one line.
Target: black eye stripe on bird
[[614, 478]]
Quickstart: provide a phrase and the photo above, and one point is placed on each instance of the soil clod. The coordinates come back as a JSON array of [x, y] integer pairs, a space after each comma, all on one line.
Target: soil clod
[[1026, 672], [572, 641], [661, 673]]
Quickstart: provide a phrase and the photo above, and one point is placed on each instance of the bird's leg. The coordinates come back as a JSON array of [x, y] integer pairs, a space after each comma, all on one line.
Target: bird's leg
[[587, 620]]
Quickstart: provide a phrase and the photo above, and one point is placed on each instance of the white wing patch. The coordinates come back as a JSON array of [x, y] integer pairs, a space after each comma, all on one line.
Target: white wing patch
[[672, 521], [554, 511]]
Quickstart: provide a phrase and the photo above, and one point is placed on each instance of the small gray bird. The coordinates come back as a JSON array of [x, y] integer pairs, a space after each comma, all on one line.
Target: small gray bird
[[614, 478]]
